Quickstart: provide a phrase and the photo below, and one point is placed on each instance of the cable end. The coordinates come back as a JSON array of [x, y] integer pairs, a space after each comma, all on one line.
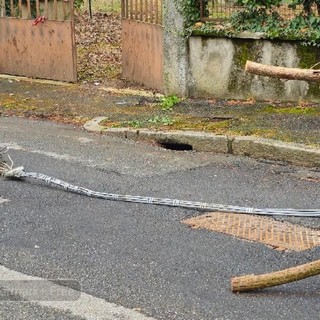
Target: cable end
[[16, 173]]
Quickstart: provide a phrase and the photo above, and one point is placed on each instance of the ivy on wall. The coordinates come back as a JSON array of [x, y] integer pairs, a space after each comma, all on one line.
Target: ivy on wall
[[260, 16], [190, 10]]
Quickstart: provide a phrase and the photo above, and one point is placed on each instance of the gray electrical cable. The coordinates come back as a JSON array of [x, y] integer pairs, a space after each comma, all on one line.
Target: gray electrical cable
[[19, 173]]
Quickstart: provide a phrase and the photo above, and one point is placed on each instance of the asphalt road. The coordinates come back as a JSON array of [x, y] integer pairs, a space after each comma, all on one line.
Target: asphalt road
[[140, 256]]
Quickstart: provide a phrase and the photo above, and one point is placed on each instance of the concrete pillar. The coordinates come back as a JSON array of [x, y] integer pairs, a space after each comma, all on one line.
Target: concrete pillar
[[175, 49]]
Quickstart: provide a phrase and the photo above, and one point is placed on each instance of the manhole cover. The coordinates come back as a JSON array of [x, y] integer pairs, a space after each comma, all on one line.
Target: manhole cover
[[279, 235]]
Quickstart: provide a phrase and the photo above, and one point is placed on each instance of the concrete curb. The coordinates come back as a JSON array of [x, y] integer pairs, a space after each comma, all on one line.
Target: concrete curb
[[258, 148], [292, 153]]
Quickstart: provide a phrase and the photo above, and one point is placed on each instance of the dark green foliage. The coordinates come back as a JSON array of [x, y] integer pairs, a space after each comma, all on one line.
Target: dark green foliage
[[190, 10], [259, 4], [255, 20], [262, 16], [78, 4]]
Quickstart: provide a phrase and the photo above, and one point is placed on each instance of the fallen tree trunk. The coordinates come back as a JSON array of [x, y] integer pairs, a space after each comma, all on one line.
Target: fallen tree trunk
[[253, 282], [282, 72]]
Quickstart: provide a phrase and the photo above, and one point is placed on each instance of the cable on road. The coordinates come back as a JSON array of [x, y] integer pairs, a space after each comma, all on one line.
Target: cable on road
[[9, 172]]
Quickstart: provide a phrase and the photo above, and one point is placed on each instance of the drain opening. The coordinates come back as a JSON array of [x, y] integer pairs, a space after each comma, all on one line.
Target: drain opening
[[172, 145]]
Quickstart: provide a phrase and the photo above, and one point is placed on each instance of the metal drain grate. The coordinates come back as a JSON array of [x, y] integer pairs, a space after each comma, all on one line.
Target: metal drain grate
[[279, 235]]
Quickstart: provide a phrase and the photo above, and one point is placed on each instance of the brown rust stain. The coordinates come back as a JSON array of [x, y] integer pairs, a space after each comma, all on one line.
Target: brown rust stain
[[142, 53], [38, 51], [14, 41]]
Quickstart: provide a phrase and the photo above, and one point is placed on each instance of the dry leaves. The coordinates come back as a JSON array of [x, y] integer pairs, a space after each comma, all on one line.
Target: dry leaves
[[98, 42]]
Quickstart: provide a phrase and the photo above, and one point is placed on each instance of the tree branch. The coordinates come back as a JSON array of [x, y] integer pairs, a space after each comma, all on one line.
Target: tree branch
[[253, 282], [282, 72]]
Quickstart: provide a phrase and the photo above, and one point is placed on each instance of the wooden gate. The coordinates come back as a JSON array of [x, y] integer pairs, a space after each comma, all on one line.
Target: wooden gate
[[37, 39], [142, 42]]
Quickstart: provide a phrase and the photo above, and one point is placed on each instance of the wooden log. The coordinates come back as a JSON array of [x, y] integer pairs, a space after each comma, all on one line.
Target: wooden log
[[282, 72], [253, 282]]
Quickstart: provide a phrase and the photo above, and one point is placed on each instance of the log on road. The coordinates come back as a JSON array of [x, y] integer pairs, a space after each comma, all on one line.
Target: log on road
[[282, 72], [253, 282]]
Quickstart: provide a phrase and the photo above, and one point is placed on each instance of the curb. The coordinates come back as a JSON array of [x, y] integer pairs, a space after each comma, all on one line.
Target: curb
[[257, 148]]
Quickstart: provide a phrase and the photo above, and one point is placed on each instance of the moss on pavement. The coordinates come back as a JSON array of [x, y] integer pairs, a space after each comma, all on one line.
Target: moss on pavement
[[290, 122]]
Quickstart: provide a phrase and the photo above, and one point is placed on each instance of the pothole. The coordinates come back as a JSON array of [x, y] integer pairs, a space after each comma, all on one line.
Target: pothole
[[277, 234], [173, 145]]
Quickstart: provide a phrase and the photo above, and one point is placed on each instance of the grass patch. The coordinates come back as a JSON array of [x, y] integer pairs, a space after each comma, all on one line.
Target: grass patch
[[299, 110], [168, 121]]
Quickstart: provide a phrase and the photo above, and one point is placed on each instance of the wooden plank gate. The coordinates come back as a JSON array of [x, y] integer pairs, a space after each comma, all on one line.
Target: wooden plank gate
[[142, 42], [37, 39]]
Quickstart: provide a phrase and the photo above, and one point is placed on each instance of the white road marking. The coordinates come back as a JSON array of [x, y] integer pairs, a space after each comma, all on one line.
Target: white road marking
[[3, 200], [86, 306], [85, 140], [53, 155], [13, 146]]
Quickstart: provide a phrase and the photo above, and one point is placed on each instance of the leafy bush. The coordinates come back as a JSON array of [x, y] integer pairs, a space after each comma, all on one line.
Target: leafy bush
[[190, 10], [262, 16]]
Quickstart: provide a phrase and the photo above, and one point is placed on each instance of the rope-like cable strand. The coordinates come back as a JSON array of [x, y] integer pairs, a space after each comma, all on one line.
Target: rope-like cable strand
[[170, 202], [9, 172]]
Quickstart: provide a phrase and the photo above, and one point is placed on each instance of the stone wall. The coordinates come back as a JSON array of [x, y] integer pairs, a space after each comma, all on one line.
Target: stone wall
[[216, 69], [175, 49], [209, 66]]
